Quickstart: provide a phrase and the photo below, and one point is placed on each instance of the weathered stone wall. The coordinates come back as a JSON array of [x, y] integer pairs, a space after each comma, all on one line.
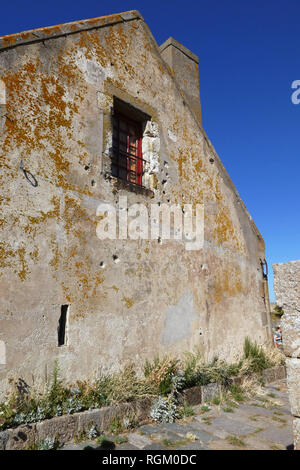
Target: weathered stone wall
[[128, 299], [287, 289]]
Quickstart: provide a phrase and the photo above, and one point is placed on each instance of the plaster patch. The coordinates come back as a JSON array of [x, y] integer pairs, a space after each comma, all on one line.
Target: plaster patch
[[179, 320], [2, 93], [93, 72], [2, 353], [172, 135]]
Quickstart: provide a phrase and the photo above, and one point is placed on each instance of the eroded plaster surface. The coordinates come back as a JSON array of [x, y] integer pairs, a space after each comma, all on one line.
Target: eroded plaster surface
[[129, 299]]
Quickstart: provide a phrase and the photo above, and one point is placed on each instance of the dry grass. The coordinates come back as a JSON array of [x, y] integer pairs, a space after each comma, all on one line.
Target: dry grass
[[251, 386], [274, 355]]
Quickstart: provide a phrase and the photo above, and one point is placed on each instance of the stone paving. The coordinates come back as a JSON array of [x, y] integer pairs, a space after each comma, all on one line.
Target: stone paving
[[262, 423]]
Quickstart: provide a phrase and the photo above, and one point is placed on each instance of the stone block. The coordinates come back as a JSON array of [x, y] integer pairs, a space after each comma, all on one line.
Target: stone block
[[62, 427], [192, 396], [89, 418], [280, 372], [4, 437], [143, 408], [296, 430], [138, 440], [21, 437], [291, 334], [120, 412], [293, 383], [209, 391], [269, 375]]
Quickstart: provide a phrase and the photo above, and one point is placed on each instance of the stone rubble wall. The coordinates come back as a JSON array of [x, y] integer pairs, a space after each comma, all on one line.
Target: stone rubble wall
[[287, 289]]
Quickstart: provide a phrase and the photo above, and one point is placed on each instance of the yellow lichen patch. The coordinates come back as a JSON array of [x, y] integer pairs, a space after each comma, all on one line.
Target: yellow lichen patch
[[115, 288], [41, 106], [22, 273], [73, 213], [35, 223], [5, 255], [128, 301], [227, 282], [224, 230], [34, 255]]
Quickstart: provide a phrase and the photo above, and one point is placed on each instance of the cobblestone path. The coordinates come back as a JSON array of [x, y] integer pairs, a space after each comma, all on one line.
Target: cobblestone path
[[262, 423]]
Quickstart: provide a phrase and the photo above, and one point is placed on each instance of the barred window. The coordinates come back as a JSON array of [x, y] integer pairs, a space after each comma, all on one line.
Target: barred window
[[127, 157]]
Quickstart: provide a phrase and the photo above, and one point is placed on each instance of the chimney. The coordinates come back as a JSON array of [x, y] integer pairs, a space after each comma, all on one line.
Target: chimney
[[184, 66]]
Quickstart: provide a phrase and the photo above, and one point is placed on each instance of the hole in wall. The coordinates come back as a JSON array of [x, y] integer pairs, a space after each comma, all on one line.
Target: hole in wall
[[61, 331]]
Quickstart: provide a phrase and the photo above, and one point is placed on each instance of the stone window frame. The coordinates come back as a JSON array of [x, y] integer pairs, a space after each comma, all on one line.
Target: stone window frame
[[150, 144], [127, 166]]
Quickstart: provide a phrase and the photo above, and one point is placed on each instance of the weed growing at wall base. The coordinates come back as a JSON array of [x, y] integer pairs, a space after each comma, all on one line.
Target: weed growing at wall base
[[164, 379]]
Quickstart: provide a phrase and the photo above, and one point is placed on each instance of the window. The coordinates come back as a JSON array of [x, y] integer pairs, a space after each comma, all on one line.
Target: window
[[61, 331], [127, 158]]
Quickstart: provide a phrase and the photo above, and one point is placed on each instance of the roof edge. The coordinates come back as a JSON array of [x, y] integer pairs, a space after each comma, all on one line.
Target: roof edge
[[42, 34], [172, 42]]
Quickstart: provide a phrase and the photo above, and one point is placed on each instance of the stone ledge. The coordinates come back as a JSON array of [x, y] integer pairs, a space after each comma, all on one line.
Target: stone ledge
[[64, 427]]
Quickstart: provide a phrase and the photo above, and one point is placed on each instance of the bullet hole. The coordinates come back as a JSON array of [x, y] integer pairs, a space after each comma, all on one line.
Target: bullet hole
[[183, 211], [86, 167], [102, 264], [93, 182], [61, 331], [200, 333], [168, 200], [166, 164], [164, 192], [211, 160], [116, 259], [159, 203], [159, 240], [164, 182]]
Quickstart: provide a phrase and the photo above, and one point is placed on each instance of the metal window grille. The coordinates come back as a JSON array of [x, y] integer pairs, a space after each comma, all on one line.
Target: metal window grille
[[127, 161]]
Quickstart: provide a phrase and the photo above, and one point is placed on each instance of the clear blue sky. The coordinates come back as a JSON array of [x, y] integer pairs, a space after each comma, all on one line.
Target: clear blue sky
[[249, 56]]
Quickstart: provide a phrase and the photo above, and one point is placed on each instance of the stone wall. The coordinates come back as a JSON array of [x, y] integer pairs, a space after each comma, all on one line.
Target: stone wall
[[287, 289], [128, 299]]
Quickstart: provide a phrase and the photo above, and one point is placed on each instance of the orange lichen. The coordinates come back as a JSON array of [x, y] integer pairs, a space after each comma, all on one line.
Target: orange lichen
[[24, 267], [227, 282], [40, 112], [224, 229], [128, 301]]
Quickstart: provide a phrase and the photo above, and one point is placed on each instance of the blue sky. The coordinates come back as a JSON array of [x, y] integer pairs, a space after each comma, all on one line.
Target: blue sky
[[249, 56]]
